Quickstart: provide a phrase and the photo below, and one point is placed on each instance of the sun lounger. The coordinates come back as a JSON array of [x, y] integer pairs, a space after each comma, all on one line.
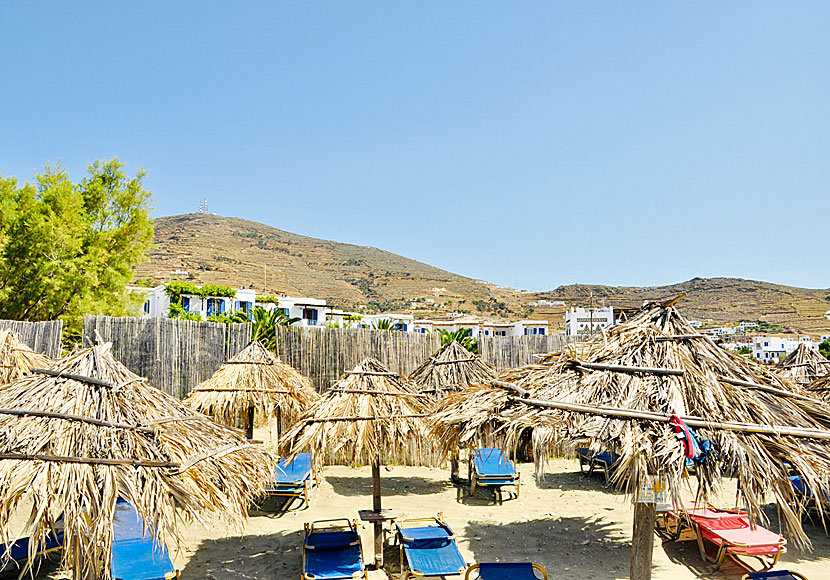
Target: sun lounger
[[19, 551], [506, 571], [292, 479], [802, 491], [491, 468], [733, 536], [607, 461], [135, 554], [332, 551], [676, 519], [428, 548], [775, 575]]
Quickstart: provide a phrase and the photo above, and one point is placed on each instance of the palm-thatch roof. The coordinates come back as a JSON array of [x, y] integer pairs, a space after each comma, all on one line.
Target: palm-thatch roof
[[804, 365], [451, 368], [253, 378], [17, 359], [657, 365], [76, 437], [370, 414]]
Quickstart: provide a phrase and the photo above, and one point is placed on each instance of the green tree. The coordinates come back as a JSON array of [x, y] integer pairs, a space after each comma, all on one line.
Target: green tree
[[824, 349], [462, 336], [383, 324], [265, 325], [69, 249]]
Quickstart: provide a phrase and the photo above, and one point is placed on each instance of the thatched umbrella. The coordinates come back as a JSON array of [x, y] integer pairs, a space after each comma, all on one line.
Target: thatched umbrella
[[804, 365], [450, 369], [619, 389], [79, 435], [16, 359], [369, 416], [254, 380]]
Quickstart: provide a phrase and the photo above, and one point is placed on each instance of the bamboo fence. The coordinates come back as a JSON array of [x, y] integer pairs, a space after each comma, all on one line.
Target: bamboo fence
[[324, 354], [173, 354], [504, 352], [43, 337]]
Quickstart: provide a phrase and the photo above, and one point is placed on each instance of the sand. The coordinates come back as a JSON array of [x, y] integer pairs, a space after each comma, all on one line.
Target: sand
[[570, 523]]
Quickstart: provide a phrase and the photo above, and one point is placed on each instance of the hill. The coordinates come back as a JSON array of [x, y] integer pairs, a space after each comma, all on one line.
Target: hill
[[238, 252]]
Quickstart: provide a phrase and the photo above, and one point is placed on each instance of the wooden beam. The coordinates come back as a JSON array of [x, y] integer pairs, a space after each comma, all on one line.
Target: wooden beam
[[679, 337], [359, 418], [768, 389], [87, 460], [374, 392], [373, 373], [79, 378], [620, 413], [78, 418], [628, 369]]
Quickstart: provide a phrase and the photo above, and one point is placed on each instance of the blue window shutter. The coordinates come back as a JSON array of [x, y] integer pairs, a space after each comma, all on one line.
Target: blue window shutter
[[222, 307], [236, 305], [186, 303]]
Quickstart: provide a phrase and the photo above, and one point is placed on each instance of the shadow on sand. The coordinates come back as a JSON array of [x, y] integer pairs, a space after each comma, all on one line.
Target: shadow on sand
[[276, 556], [390, 485], [566, 547]]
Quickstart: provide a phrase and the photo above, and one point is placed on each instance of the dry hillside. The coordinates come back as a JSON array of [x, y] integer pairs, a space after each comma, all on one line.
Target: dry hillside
[[235, 252]]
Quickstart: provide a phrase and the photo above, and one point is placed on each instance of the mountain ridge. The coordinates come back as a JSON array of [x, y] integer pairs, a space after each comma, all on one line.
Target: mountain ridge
[[239, 252]]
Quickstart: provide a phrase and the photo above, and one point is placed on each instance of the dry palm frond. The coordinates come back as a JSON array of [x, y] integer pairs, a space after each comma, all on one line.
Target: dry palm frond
[[133, 441], [451, 368], [17, 359], [253, 378], [659, 338], [371, 414], [804, 365]]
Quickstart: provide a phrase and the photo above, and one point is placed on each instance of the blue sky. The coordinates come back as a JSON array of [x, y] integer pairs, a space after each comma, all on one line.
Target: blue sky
[[531, 144]]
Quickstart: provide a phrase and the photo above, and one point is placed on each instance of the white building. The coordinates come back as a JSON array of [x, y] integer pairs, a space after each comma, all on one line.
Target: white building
[[587, 321], [478, 328], [772, 349], [743, 326], [310, 311], [157, 303], [724, 331], [403, 322]]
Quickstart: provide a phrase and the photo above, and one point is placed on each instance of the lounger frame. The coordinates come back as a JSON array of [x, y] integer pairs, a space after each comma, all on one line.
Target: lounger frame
[[297, 489], [494, 482], [593, 461], [438, 520], [735, 549], [334, 524], [475, 567]]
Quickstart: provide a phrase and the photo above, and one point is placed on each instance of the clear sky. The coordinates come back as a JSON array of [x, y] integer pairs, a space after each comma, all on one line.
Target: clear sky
[[530, 144]]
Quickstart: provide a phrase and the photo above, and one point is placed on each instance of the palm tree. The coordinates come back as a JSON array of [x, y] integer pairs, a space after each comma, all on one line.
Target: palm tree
[[384, 324], [265, 324], [462, 336]]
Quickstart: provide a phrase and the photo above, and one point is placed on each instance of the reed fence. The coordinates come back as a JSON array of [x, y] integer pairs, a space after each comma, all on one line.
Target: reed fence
[[324, 354], [505, 352], [43, 337], [173, 354]]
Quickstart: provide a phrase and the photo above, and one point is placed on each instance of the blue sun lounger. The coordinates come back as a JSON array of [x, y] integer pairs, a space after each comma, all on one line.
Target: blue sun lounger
[[19, 551], [605, 460], [292, 479], [332, 551], [491, 468], [135, 556], [775, 575], [506, 571], [428, 548]]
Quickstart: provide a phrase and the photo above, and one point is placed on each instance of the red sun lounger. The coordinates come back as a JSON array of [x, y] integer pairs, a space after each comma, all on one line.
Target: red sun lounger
[[677, 519], [733, 536]]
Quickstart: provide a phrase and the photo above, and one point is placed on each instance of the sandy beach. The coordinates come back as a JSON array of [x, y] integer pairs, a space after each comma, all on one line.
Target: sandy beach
[[570, 523]]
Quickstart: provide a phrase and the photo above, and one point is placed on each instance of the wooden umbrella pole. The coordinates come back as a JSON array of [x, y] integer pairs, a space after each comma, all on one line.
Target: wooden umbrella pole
[[249, 428], [642, 541], [378, 524]]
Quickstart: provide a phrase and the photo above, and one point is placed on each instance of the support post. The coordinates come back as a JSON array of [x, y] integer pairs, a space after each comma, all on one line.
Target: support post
[[376, 507], [642, 541], [454, 477], [279, 423], [249, 428]]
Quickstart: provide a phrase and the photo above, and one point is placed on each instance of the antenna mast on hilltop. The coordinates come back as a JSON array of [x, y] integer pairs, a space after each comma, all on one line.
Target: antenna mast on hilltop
[[203, 207]]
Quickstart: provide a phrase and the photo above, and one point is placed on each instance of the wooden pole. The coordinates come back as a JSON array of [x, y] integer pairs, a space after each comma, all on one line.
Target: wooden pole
[[279, 423], [642, 541], [249, 427], [454, 467], [376, 507]]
